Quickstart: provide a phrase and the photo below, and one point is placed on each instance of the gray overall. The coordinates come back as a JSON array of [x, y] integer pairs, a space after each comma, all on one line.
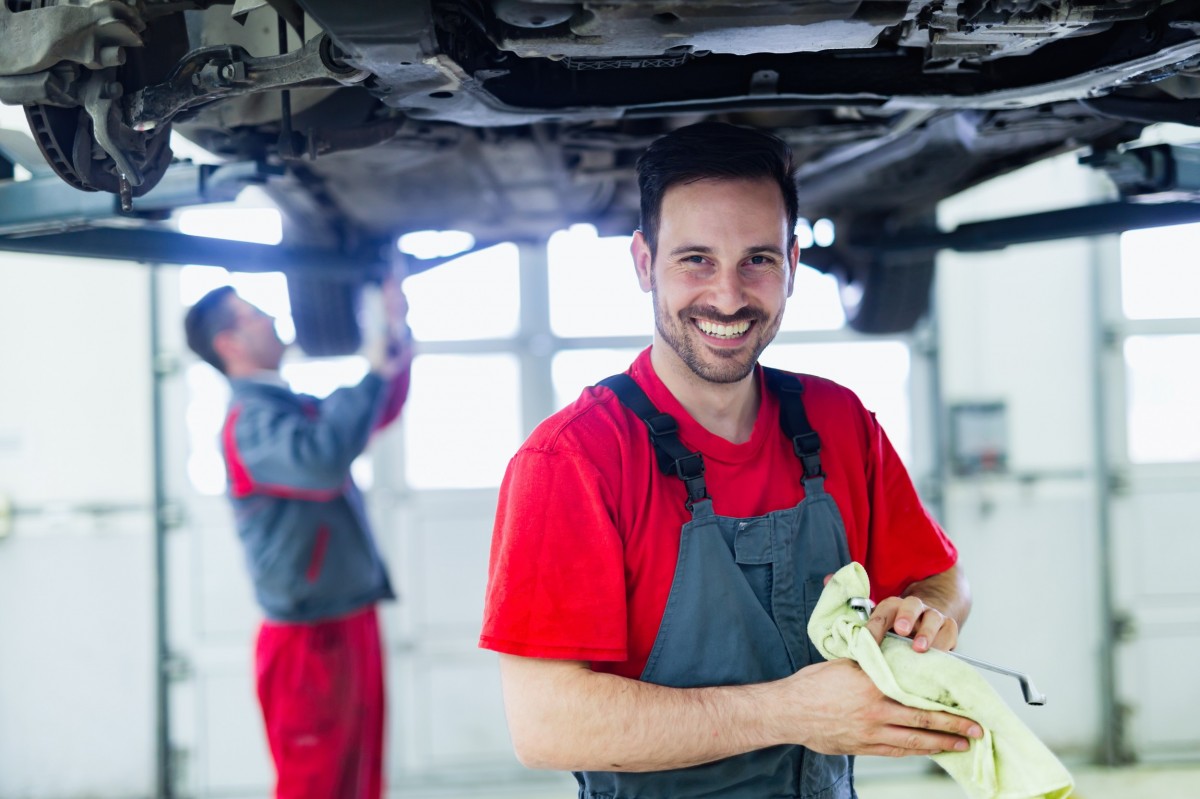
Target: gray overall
[[737, 614]]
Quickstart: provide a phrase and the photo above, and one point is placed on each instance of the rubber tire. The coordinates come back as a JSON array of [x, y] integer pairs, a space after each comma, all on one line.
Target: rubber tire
[[325, 311], [884, 296]]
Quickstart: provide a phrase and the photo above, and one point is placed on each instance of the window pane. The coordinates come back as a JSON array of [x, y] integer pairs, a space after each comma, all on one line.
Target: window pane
[[1162, 422], [322, 376], [574, 370], [593, 287], [208, 400], [1159, 279], [814, 304], [473, 297], [876, 371], [462, 422]]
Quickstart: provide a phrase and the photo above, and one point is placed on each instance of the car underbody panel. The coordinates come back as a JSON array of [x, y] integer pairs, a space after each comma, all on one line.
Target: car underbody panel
[[513, 118]]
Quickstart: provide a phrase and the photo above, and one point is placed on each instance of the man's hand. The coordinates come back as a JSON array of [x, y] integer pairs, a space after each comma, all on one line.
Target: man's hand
[[387, 338], [930, 612], [844, 713], [911, 617]]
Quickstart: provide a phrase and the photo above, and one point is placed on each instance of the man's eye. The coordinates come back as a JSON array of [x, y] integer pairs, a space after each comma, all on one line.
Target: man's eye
[[759, 260]]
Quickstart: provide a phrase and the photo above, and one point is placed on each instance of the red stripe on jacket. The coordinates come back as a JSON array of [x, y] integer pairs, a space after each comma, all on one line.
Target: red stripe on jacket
[[243, 484], [318, 554]]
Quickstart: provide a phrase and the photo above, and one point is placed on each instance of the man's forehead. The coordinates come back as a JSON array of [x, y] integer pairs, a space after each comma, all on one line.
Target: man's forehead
[[724, 198]]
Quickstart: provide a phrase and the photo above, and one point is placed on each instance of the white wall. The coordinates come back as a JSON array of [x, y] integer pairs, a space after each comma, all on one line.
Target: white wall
[[76, 591], [1016, 326]]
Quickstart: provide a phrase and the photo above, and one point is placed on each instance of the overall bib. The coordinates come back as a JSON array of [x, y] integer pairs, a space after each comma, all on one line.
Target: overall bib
[[738, 611]]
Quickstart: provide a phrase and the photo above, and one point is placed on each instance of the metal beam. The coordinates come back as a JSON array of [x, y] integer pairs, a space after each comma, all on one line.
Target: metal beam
[[165, 247], [995, 234], [46, 204]]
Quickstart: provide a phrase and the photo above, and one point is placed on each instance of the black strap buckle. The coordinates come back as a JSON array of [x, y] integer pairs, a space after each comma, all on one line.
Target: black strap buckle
[[806, 444], [662, 425], [689, 467]]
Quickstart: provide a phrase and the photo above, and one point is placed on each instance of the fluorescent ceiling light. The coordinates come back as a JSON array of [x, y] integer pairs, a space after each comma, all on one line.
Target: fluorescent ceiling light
[[435, 243], [259, 225]]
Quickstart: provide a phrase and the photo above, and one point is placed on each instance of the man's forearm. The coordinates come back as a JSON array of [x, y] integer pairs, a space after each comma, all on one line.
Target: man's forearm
[[565, 716]]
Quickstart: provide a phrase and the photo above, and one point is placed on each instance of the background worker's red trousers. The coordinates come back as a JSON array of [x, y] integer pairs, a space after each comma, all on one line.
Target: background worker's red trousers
[[321, 690]]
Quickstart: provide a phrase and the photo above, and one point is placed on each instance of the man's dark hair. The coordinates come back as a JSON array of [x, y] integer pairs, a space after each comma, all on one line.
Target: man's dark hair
[[211, 315], [712, 150]]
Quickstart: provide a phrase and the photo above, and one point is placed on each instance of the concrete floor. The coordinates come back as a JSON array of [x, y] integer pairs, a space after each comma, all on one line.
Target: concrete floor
[[1176, 781], [1091, 782]]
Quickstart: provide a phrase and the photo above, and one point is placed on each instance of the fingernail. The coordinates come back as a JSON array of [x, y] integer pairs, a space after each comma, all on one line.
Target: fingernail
[[903, 626], [921, 643], [976, 731], [961, 745]]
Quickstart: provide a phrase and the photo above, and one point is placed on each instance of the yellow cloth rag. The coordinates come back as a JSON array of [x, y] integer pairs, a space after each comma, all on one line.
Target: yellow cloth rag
[[1008, 762]]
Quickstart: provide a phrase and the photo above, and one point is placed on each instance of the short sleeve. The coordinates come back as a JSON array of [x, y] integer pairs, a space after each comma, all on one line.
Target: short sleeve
[[905, 543], [556, 578]]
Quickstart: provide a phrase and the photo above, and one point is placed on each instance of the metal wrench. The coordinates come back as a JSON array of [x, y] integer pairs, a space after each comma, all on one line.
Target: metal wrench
[[1032, 695]]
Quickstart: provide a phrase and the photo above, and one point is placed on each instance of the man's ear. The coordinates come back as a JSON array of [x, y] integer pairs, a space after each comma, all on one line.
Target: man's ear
[[795, 258], [643, 261], [225, 344]]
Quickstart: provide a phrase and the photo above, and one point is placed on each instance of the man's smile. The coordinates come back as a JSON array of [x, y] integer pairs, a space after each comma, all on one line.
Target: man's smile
[[724, 330]]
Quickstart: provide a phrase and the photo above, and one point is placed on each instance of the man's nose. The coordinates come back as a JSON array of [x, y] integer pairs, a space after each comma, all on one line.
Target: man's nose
[[727, 291]]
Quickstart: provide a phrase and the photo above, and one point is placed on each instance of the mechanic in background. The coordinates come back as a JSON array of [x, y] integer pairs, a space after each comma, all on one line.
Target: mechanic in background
[[649, 594], [316, 570]]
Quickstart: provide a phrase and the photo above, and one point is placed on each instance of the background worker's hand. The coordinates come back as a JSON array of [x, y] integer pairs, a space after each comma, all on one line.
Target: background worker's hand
[[387, 340], [844, 713]]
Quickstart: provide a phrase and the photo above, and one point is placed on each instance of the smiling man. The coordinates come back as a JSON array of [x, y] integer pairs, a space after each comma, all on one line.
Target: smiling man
[[661, 542]]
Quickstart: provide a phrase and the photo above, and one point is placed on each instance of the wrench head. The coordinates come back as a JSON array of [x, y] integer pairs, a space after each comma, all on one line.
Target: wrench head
[[863, 605]]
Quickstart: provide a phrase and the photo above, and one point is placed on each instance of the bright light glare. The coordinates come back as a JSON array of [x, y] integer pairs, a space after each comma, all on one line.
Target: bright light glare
[[208, 399], [441, 451], [435, 243], [186, 149], [574, 370], [877, 371], [814, 304], [823, 232], [320, 378], [12, 117], [258, 225], [593, 287], [804, 233], [1163, 425], [1159, 279], [472, 297]]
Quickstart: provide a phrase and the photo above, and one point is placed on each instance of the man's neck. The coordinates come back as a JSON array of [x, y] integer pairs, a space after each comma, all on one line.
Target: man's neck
[[728, 410], [257, 374]]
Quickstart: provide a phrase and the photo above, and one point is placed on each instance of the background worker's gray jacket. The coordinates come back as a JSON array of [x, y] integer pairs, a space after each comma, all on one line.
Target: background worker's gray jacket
[[307, 539]]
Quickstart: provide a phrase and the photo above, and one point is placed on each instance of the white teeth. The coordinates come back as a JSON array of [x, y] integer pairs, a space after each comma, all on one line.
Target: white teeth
[[723, 331]]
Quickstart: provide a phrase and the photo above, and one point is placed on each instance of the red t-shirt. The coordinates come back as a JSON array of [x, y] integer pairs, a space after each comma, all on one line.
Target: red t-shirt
[[587, 529]]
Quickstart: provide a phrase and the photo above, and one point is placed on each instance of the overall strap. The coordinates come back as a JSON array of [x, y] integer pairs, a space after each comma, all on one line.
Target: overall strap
[[673, 457], [794, 421]]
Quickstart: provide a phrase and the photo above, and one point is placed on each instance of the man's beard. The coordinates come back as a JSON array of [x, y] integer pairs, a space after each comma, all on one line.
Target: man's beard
[[730, 366]]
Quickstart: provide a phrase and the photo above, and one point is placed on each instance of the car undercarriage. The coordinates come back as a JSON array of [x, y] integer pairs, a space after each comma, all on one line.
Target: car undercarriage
[[510, 119]]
